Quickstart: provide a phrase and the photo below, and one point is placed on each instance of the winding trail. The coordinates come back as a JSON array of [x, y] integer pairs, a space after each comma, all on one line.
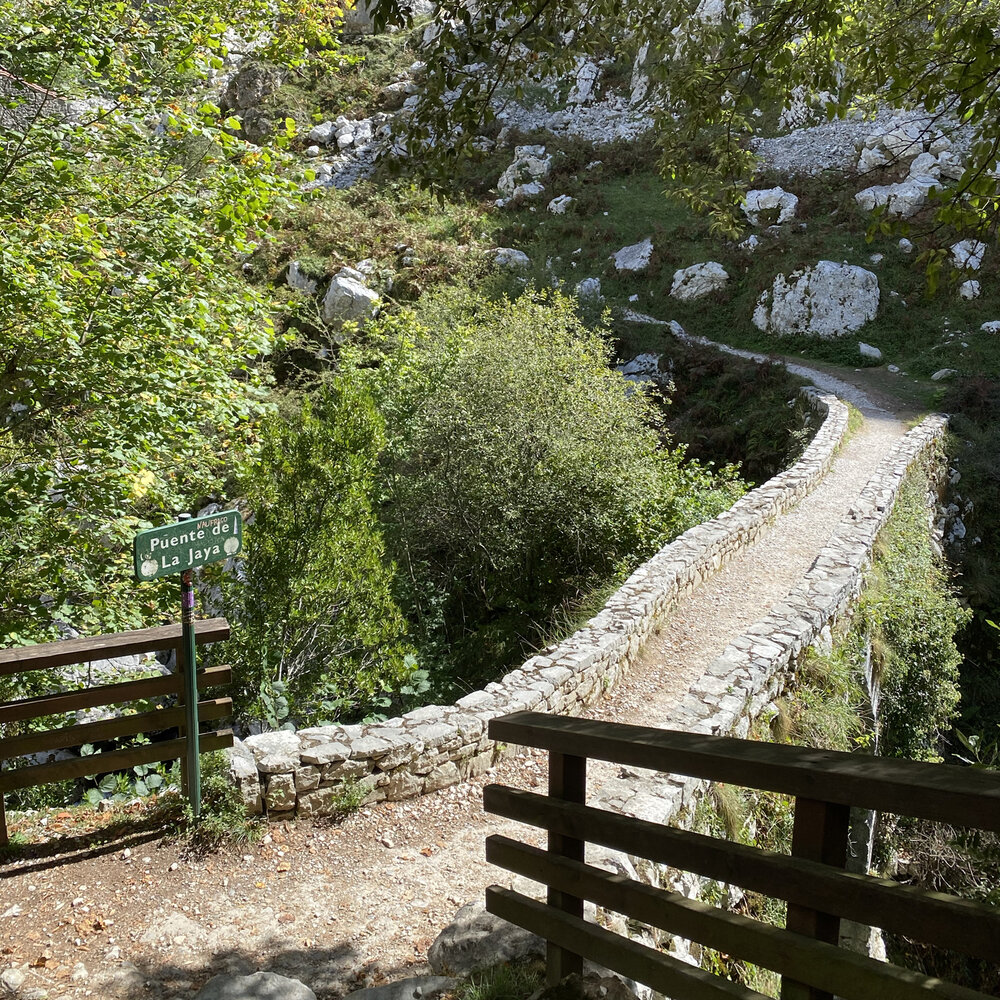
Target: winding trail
[[351, 904]]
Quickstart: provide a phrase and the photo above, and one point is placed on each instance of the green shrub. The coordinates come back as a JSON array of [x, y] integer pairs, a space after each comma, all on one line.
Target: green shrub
[[520, 466], [316, 633], [912, 617]]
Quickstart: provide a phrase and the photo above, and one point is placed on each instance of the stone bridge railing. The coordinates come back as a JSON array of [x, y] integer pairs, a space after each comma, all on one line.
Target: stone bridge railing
[[306, 772]]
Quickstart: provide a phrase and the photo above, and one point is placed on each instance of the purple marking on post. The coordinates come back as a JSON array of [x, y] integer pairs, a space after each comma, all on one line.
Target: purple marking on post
[[187, 598]]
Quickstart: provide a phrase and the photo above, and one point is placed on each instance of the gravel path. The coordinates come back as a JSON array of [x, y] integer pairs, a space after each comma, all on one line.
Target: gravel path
[[358, 903]]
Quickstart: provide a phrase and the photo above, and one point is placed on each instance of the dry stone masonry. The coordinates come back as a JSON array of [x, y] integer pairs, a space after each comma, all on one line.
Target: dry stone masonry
[[307, 772]]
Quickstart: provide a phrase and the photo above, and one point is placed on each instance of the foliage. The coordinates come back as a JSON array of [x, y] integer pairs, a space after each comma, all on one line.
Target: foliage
[[511, 981], [912, 618], [715, 68], [521, 467], [129, 363], [316, 632], [974, 451], [223, 818]]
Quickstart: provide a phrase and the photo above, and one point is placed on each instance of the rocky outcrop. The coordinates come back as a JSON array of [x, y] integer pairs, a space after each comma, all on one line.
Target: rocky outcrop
[[828, 300]]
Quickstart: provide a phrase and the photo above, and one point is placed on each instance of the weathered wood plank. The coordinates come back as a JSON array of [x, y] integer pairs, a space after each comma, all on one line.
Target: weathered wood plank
[[103, 763], [108, 694], [663, 973], [109, 729], [821, 965], [946, 793], [102, 647], [819, 835], [568, 783], [963, 925]]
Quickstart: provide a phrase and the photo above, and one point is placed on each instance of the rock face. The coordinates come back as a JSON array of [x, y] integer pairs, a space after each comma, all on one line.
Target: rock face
[[699, 280], [259, 986], [476, 940], [825, 301], [348, 297], [634, 257], [769, 200], [522, 178]]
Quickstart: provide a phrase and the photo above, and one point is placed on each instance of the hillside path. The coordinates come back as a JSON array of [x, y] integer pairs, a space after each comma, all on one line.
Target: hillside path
[[357, 903]]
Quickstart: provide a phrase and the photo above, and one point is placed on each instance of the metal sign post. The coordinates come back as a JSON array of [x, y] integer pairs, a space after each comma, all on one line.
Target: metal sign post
[[180, 548]]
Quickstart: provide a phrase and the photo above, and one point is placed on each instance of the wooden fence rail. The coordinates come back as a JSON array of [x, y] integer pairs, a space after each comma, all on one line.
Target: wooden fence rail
[[806, 952], [84, 650]]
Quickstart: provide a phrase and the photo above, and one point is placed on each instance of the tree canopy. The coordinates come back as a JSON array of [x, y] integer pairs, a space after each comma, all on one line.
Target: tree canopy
[[712, 65], [127, 363]]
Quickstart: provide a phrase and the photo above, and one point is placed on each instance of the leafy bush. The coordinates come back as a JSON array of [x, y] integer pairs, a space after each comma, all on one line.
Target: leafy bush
[[520, 467], [913, 618], [316, 632]]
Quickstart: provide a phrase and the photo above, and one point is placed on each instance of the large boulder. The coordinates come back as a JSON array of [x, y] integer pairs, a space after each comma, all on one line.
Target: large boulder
[[828, 300], [477, 940], [348, 298], [699, 280]]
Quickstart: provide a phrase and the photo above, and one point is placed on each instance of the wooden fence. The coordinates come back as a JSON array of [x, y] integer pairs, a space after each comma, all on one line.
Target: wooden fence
[[57, 654], [812, 881]]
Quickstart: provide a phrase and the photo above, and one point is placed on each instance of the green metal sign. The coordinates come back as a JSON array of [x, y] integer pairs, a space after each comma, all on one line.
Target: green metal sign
[[188, 544]]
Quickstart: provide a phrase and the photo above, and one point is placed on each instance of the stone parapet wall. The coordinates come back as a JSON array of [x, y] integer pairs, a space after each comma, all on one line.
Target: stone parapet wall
[[307, 772], [754, 669]]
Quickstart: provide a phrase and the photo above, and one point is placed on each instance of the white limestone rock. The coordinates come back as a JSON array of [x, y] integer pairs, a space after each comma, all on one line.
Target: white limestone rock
[[943, 373], [512, 259], [322, 134], [559, 205], [348, 298], [642, 368], [590, 290], [759, 201], [634, 258], [901, 200], [993, 326], [867, 351], [970, 289], [299, 280], [905, 245], [531, 163], [826, 301], [968, 254], [749, 244], [587, 74], [699, 280], [275, 753]]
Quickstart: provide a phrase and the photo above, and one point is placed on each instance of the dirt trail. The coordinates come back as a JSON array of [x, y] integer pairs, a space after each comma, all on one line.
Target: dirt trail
[[345, 905]]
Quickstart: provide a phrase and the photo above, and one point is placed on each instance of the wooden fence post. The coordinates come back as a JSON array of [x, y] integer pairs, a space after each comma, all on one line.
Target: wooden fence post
[[820, 834], [567, 781]]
